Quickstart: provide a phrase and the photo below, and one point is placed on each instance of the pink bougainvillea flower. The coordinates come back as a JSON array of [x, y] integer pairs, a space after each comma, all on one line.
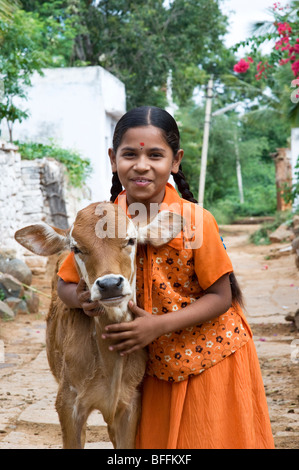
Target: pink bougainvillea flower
[[295, 68], [283, 43], [261, 68], [284, 28], [283, 61], [242, 66], [295, 49]]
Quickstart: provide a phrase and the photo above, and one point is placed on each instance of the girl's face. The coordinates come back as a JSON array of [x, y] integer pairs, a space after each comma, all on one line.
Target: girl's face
[[144, 161]]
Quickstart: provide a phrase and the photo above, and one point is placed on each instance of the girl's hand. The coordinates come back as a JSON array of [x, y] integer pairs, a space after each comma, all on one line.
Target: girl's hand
[[134, 335], [90, 308]]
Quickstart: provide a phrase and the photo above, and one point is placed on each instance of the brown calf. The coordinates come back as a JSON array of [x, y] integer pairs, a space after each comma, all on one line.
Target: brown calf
[[90, 376]]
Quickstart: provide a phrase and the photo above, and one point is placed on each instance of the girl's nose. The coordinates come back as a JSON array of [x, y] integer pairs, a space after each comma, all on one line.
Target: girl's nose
[[142, 163]]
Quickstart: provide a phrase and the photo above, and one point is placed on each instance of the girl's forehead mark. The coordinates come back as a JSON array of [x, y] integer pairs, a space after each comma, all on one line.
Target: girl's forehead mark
[[142, 144]]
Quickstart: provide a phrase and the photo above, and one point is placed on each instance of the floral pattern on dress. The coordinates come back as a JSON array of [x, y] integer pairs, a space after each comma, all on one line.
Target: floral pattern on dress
[[174, 285]]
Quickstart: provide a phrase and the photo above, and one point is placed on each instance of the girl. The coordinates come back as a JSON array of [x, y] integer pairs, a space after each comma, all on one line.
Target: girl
[[203, 386]]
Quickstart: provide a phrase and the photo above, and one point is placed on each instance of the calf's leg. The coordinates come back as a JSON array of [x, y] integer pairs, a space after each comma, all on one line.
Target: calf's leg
[[125, 425], [72, 417]]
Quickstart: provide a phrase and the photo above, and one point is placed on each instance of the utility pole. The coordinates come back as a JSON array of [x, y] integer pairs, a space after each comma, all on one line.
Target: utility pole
[[238, 169], [205, 145]]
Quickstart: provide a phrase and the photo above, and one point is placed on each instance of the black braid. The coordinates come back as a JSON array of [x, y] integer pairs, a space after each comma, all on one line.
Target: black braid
[[183, 186], [116, 187], [237, 296]]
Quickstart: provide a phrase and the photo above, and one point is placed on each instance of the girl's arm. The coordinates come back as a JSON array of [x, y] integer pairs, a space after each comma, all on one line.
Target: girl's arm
[[146, 327], [78, 296]]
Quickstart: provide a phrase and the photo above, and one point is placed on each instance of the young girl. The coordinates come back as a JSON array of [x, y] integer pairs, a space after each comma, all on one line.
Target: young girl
[[203, 387]]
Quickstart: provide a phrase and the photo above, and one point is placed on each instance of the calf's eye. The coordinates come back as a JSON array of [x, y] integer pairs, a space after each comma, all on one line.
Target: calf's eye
[[131, 241], [75, 250]]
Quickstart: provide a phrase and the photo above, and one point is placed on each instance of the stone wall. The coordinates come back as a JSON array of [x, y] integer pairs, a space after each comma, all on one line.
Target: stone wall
[[32, 191]]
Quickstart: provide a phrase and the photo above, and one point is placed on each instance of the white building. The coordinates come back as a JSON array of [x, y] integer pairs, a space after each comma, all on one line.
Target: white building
[[76, 108]]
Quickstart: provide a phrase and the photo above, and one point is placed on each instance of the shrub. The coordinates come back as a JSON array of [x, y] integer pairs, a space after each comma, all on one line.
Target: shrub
[[77, 168]]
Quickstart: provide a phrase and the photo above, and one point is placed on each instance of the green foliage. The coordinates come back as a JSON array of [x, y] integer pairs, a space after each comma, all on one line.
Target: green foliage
[[21, 54], [77, 168], [280, 66], [261, 236], [2, 294], [63, 28], [139, 42], [7, 8], [253, 140]]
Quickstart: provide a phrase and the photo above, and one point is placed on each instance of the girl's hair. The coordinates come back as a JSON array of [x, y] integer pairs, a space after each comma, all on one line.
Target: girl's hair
[[237, 296], [152, 116]]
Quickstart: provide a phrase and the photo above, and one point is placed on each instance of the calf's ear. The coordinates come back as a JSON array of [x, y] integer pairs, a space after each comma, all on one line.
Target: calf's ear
[[163, 228], [42, 239]]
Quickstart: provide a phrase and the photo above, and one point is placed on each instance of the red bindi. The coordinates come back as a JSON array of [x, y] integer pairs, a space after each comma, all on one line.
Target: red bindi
[[142, 144]]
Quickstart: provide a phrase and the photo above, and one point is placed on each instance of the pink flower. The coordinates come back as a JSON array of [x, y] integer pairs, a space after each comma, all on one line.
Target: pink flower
[[283, 28], [295, 49], [295, 68], [280, 44], [242, 66], [283, 61], [261, 68]]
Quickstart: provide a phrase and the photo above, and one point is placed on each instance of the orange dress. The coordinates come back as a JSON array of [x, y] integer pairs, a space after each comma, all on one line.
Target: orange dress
[[203, 387]]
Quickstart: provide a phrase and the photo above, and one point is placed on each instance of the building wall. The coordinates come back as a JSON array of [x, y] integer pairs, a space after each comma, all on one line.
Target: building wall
[[76, 108], [27, 196]]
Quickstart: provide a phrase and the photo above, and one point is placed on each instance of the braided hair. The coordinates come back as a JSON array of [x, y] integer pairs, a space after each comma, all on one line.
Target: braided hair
[[116, 187], [145, 116], [183, 186]]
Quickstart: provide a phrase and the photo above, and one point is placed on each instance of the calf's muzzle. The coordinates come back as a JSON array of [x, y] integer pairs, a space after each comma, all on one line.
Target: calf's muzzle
[[110, 286]]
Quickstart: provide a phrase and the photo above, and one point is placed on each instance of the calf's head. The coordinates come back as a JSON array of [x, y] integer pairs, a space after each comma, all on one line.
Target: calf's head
[[104, 241]]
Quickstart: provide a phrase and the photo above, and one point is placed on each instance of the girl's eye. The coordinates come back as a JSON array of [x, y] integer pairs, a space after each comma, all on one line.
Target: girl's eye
[[156, 155], [75, 250], [129, 154]]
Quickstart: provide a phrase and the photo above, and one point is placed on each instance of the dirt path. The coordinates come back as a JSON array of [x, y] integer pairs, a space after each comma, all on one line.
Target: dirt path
[[271, 289]]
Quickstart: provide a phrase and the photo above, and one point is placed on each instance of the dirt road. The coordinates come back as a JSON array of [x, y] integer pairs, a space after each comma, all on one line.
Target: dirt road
[[271, 288]]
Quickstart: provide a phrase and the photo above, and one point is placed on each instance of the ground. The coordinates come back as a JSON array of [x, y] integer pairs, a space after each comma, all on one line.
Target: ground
[[270, 284]]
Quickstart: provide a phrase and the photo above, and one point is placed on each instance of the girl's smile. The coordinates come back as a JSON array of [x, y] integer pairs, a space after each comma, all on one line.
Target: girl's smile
[[139, 181], [144, 162]]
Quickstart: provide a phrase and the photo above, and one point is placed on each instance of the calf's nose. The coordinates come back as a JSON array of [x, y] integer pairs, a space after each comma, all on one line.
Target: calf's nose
[[110, 286]]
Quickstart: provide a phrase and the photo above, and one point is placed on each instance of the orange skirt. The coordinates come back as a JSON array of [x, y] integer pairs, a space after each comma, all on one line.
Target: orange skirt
[[224, 407]]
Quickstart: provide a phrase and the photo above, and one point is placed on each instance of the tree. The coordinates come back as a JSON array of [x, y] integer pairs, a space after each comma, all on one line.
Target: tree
[[140, 41], [279, 70], [7, 8], [256, 140], [281, 66], [21, 54]]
